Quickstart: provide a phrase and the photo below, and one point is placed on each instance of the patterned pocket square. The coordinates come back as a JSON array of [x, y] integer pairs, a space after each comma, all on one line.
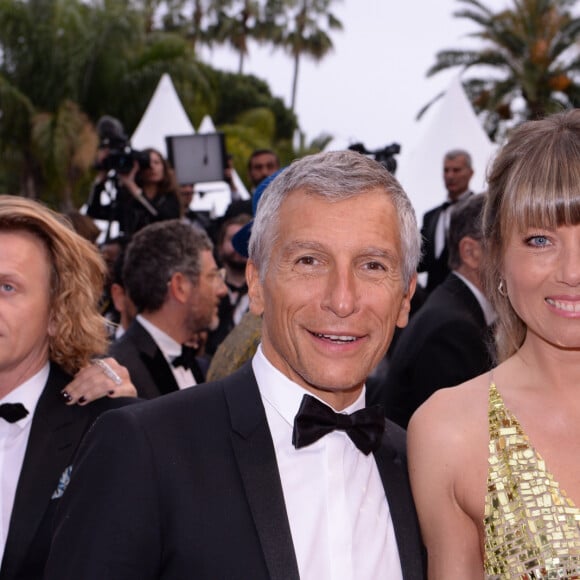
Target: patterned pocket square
[[62, 483]]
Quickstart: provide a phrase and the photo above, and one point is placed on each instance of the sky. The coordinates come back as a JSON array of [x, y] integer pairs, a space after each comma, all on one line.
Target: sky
[[371, 87]]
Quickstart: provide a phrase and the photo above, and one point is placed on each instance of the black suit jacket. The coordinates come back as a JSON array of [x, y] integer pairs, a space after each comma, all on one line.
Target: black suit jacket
[[194, 492], [436, 267], [446, 343], [148, 368], [55, 434]]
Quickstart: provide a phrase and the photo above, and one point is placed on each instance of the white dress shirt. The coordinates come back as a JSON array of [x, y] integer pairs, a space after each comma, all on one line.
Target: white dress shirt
[[339, 516], [13, 443], [171, 349], [442, 227]]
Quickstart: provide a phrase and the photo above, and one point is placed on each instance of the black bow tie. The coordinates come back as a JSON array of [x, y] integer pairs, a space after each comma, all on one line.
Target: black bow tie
[[186, 359], [13, 412], [315, 419]]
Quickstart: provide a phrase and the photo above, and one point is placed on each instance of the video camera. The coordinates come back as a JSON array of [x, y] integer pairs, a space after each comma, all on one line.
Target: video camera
[[384, 156], [121, 156], [121, 160]]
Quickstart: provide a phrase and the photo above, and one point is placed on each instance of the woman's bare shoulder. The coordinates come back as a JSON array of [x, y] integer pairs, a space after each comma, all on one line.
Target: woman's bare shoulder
[[456, 405]]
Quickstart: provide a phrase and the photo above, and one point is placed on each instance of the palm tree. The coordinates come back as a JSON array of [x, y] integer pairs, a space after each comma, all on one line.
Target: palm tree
[[234, 22], [43, 50], [302, 28], [532, 49], [65, 63], [64, 143], [187, 18], [61, 60]]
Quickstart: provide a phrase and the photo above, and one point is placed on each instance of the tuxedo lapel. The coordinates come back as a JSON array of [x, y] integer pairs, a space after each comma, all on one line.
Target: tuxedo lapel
[[162, 375], [54, 434], [153, 359], [254, 452], [392, 467], [431, 226]]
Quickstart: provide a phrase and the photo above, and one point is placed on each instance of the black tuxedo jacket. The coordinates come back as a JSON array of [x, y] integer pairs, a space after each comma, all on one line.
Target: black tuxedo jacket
[[436, 268], [55, 434], [193, 491], [446, 343], [148, 368]]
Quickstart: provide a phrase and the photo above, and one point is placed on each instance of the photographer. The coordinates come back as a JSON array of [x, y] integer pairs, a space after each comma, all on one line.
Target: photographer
[[132, 188]]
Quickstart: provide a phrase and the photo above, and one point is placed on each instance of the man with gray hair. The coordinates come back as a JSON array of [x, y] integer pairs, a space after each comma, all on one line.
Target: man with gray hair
[[457, 173], [172, 279], [277, 471]]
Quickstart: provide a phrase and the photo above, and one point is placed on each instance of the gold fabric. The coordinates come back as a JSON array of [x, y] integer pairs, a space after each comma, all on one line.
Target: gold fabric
[[532, 529]]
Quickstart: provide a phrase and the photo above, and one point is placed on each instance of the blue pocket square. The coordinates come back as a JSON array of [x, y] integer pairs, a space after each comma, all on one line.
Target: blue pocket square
[[62, 483]]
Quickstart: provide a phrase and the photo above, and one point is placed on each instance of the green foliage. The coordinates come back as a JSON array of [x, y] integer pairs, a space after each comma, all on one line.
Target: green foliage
[[238, 93], [65, 63]]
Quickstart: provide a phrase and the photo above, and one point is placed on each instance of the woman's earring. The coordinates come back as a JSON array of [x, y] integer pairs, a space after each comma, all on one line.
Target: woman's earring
[[501, 289]]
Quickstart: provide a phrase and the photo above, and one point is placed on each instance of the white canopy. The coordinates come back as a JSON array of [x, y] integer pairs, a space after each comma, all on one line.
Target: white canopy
[[166, 116], [450, 123]]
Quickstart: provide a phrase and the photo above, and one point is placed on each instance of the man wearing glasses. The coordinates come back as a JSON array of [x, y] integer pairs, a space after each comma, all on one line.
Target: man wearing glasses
[[172, 278]]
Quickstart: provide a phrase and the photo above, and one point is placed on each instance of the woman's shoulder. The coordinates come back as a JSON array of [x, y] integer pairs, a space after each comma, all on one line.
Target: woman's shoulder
[[448, 441], [460, 403], [454, 418]]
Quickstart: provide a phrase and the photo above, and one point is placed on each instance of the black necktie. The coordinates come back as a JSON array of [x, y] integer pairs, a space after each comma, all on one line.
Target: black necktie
[[13, 412], [188, 361], [315, 419]]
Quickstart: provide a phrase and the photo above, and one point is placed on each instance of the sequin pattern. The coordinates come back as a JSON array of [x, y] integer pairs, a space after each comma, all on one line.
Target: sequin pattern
[[532, 530]]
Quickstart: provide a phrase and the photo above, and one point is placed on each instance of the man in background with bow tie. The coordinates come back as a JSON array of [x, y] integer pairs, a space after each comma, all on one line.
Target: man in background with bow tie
[[457, 173], [51, 280], [277, 471], [172, 279]]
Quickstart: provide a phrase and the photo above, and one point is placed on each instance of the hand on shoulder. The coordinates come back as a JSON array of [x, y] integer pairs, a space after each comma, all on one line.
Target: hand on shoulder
[[106, 379]]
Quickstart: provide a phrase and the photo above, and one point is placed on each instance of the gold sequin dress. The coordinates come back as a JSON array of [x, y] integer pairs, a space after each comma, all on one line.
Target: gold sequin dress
[[532, 529]]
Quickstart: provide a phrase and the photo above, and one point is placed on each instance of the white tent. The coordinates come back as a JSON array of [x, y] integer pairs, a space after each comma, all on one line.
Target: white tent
[[206, 125], [450, 123], [164, 116]]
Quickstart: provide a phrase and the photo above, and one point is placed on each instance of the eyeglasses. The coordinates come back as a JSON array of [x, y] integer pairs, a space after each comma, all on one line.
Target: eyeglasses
[[218, 275]]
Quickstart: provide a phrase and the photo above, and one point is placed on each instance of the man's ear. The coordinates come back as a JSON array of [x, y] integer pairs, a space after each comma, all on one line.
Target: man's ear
[[403, 316], [179, 287], [470, 252], [255, 290]]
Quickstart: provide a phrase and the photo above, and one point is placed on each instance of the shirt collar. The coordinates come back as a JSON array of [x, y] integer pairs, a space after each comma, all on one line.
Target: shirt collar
[[283, 394], [28, 393], [462, 196], [169, 347]]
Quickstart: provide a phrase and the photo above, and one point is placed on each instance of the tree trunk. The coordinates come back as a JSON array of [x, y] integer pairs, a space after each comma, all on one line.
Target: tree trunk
[[241, 63], [295, 82]]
